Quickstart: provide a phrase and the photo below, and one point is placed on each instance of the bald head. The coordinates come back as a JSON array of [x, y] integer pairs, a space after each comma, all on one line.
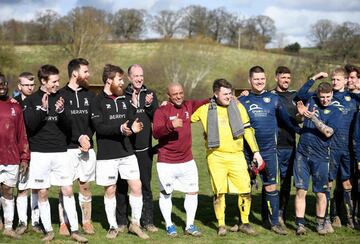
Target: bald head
[[175, 93]]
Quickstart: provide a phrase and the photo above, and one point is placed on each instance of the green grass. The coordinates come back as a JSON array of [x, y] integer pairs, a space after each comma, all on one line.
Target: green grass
[[225, 62], [205, 218]]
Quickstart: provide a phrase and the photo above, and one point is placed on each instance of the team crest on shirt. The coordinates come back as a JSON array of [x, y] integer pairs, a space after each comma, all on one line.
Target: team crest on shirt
[[267, 99], [108, 106], [13, 113], [347, 98], [86, 102], [187, 115], [327, 111], [124, 105]]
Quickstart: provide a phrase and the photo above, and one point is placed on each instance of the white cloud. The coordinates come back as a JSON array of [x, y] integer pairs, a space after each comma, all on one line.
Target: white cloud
[[320, 5], [296, 23]]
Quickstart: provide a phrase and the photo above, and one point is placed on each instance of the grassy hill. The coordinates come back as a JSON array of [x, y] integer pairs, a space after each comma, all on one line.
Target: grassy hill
[[190, 58]]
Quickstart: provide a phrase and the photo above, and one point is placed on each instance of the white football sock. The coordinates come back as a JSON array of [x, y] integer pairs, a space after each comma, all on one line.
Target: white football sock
[[70, 209], [110, 209], [190, 205], [136, 204], [45, 215], [21, 207], [165, 205], [8, 207]]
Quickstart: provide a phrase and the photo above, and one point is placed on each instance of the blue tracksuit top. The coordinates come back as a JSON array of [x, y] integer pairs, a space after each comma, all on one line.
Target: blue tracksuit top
[[264, 111], [347, 103], [312, 142]]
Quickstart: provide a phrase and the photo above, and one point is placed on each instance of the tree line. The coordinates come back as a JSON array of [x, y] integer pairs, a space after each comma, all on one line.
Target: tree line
[[84, 29], [218, 25]]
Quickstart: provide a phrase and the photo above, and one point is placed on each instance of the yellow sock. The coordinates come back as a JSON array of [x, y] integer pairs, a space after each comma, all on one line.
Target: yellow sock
[[219, 208], [244, 203]]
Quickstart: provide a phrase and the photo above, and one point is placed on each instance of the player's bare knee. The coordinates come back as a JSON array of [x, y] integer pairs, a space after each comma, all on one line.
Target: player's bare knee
[[7, 192], [84, 188], [347, 184], [110, 191], [135, 187], [43, 195], [270, 188], [300, 193], [67, 191], [22, 193]]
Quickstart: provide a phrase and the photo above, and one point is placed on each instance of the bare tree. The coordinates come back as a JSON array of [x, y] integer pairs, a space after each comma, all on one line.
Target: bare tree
[[234, 28], [46, 21], [191, 64], [166, 23], [266, 27], [83, 31], [344, 41], [128, 24], [218, 21], [321, 31], [194, 21]]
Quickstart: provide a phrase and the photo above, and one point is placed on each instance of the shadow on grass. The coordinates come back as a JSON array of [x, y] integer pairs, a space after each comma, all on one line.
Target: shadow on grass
[[205, 212]]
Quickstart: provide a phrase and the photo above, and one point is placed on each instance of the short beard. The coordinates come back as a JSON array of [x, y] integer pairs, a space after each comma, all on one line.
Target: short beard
[[116, 90], [83, 83]]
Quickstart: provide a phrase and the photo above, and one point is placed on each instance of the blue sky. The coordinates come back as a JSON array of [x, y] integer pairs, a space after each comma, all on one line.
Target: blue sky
[[293, 18]]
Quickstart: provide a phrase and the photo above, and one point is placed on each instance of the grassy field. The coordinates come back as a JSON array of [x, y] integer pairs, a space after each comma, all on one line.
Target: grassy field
[[205, 218]]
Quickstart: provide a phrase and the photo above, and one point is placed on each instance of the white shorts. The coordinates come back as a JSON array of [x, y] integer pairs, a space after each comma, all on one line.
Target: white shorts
[[107, 170], [47, 169], [9, 174], [180, 177], [84, 164]]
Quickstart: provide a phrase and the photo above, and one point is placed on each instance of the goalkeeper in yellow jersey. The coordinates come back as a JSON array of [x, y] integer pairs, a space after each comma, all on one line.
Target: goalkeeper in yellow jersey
[[226, 124]]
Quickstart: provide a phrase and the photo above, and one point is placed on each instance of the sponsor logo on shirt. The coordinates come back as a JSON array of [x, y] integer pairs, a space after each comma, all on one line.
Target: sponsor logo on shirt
[[78, 111], [51, 118], [140, 111], [258, 111], [117, 116], [108, 106]]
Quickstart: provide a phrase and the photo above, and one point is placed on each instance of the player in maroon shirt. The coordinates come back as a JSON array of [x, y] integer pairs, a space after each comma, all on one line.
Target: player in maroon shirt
[[15, 154], [176, 167]]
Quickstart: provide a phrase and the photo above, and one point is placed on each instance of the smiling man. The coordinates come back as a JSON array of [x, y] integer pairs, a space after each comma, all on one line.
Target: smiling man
[[312, 155], [114, 121], [15, 154], [266, 111], [341, 158], [145, 102], [176, 166], [49, 165], [78, 99], [286, 140], [226, 125]]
